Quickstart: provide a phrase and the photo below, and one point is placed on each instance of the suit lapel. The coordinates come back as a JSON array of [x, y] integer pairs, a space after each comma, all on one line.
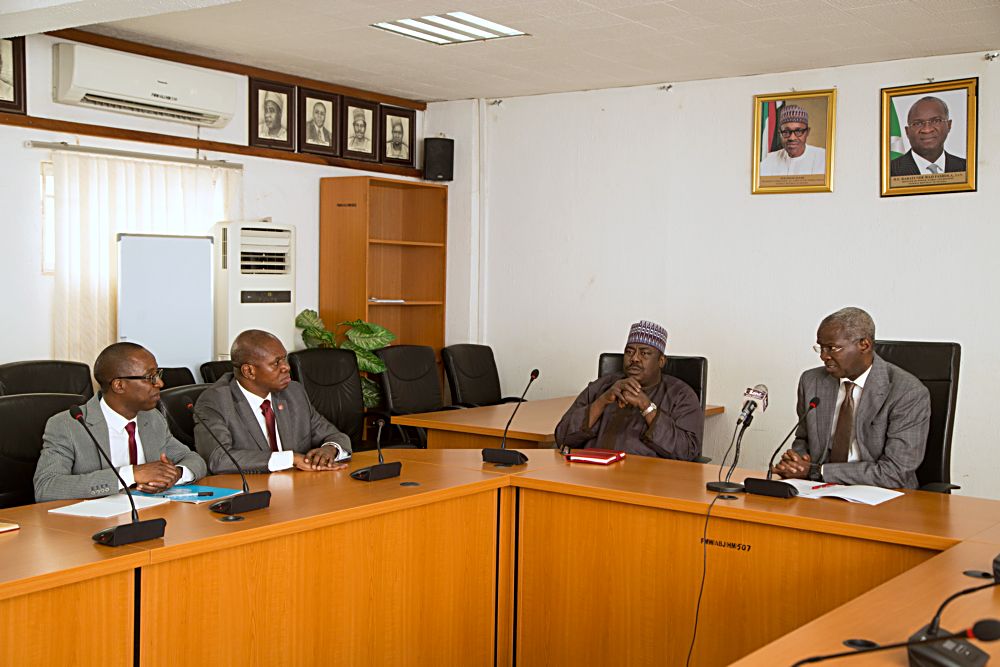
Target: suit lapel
[[144, 428], [827, 393], [872, 399], [99, 427], [247, 416], [283, 421]]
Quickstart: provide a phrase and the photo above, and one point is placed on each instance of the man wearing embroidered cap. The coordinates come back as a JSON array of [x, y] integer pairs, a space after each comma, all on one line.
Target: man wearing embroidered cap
[[638, 410], [359, 142], [272, 125], [796, 155]]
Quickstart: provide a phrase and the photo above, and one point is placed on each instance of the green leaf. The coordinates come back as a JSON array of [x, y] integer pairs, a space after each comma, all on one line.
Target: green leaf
[[309, 318], [367, 361], [368, 336], [371, 395], [314, 337]]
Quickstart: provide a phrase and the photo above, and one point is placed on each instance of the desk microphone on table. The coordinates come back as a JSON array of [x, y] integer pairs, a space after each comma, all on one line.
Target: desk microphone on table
[[127, 533], [380, 470], [502, 455]]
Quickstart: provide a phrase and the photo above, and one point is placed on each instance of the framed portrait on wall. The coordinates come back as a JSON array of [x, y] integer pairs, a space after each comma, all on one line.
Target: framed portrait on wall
[[12, 75], [272, 115], [397, 135], [929, 138], [793, 136], [359, 129], [319, 122]]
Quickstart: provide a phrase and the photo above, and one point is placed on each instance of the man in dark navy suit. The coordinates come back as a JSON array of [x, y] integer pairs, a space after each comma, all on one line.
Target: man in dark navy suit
[[927, 128]]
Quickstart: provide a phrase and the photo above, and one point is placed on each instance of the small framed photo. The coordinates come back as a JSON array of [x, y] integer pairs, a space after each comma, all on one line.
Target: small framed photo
[[12, 98], [793, 142], [319, 122], [272, 115], [929, 138], [359, 135], [398, 136]]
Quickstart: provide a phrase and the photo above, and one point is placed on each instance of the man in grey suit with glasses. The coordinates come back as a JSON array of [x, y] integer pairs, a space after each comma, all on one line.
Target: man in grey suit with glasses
[[126, 425], [872, 421]]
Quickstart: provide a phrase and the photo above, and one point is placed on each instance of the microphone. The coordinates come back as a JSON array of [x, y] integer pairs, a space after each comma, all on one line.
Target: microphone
[[380, 470], [777, 488], [929, 650], [241, 502], [129, 533], [502, 456], [755, 395]]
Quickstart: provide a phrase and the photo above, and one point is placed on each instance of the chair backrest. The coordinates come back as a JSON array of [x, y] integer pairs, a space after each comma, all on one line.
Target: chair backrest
[[331, 380], [410, 382], [936, 365], [472, 374], [23, 417], [173, 404], [180, 376], [692, 370], [45, 377], [213, 370]]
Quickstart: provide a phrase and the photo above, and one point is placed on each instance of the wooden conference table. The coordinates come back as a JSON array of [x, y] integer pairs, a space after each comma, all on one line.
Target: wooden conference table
[[548, 563], [475, 428]]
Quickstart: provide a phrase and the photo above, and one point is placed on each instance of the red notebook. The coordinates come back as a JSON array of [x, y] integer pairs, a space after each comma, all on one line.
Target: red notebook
[[600, 456]]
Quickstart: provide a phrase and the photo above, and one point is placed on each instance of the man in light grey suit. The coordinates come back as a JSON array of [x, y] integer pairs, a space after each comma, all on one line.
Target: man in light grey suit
[[126, 424], [872, 420], [264, 418]]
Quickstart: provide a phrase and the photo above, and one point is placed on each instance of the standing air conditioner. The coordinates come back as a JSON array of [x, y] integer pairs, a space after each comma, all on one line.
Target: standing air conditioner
[[254, 281]]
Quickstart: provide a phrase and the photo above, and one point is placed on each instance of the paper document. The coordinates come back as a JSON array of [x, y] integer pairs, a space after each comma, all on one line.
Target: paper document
[[103, 508], [857, 493]]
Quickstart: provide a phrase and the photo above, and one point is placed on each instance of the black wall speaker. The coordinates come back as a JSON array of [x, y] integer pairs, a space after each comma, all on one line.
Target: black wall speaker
[[439, 159]]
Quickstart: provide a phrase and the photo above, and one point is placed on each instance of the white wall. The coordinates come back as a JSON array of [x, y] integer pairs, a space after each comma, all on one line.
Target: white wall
[[286, 191], [608, 206]]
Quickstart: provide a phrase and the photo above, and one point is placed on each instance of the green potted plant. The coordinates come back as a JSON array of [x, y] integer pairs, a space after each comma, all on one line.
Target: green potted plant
[[360, 337]]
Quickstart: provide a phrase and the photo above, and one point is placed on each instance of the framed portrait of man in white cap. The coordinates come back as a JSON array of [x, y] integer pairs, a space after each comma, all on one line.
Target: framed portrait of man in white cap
[[319, 116], [12, 99], [359, 129], [793, 136], [397, 138], [272, 115]]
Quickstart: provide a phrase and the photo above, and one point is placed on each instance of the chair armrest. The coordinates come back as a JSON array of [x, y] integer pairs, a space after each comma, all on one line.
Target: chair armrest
[[466, 405], [511, 399], [939, 487], [703, 459]]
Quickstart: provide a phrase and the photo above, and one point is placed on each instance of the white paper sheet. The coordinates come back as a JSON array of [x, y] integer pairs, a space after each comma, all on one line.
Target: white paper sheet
[[110, 506]]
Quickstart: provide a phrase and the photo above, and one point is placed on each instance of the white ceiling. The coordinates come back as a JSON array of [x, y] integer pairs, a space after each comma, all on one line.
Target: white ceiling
[[573, 44]]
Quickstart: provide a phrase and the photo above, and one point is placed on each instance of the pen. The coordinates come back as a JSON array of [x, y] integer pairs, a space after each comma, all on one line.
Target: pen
[[820, 486]]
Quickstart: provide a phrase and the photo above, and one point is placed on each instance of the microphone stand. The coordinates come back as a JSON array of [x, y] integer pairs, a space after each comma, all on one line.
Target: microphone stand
[[508, 457], [777, 488], [727, 486], [380, 470]]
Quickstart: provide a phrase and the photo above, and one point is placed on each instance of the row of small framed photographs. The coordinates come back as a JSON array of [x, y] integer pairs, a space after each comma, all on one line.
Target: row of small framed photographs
[[928, 139], [293, 118]]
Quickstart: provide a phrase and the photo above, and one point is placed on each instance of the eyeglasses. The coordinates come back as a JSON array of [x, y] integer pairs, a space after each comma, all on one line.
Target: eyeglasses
[[933, 122], [799, 133], [152, 378], [832, 349]]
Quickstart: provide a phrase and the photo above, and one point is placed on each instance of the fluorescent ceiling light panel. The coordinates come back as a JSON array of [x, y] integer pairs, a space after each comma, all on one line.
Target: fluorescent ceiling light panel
[[460, 27]]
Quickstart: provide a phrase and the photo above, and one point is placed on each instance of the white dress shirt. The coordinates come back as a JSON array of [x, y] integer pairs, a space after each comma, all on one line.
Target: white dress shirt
[[281, 459], [118, 439], [853, 454], [780, 163], [922, 164]]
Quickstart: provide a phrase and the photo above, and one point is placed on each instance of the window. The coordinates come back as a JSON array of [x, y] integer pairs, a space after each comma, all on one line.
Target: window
[[48, 191]]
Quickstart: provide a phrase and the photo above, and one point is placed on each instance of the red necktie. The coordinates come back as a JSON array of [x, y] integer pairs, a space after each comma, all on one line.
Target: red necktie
[[272, 436], [133, 451]]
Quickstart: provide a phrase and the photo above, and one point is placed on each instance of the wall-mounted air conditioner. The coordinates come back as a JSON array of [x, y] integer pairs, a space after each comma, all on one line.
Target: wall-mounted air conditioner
[[254, 281], [126, 83]]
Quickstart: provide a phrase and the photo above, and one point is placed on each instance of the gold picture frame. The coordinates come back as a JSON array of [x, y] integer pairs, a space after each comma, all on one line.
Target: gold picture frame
[[946, 114], [792, 164]]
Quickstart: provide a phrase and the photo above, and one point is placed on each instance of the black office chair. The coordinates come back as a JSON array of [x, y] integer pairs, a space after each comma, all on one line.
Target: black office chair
[[331, 380], [936, 365], [472, 375], [173, 405], [23, 417], [213, 370], [410, 385], [692, 370], [45, 377], [180, 376]]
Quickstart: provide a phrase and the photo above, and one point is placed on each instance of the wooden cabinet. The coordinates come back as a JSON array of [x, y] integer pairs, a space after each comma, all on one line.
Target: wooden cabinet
[[382, 255]]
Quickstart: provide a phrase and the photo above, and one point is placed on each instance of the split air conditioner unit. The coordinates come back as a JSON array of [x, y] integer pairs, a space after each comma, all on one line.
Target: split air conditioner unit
[[254, 282], [125, 83]]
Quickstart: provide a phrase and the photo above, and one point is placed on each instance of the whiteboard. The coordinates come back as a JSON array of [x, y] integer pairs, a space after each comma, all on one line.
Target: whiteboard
[[165, 297]]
